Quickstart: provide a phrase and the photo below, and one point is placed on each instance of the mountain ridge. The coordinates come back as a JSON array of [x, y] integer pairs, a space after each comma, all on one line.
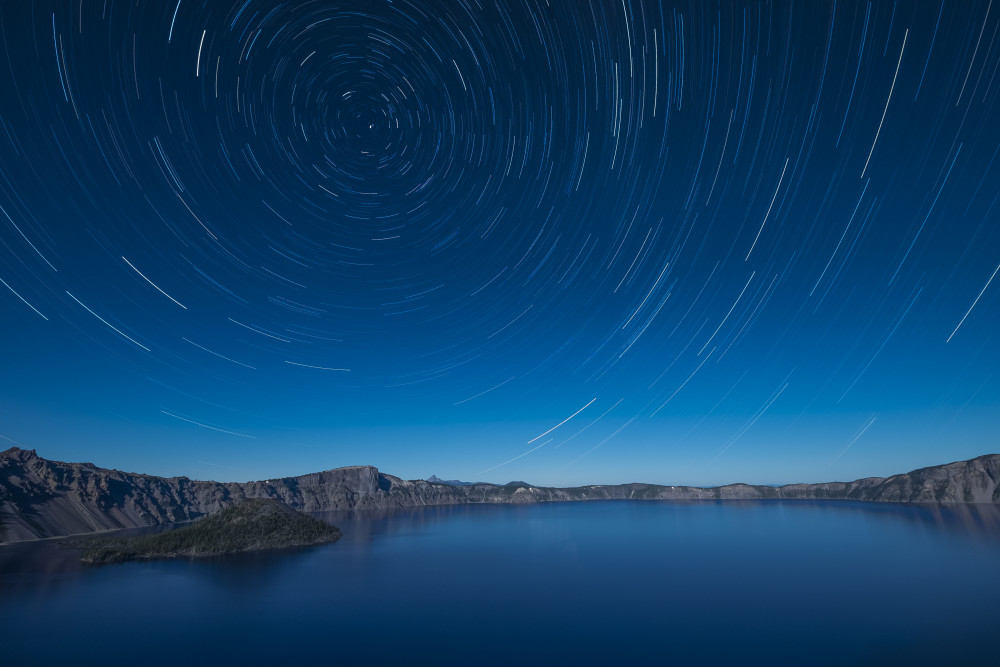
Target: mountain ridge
[[40, 498]]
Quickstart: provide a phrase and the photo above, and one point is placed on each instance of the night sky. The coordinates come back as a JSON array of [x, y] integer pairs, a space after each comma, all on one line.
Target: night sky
[[564, 241]]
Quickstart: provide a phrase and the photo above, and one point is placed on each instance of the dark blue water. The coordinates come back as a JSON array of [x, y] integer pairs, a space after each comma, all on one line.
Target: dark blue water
[[610, 582]]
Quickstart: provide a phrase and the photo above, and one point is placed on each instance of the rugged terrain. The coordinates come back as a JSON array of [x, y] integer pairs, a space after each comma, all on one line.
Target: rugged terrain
[[251, 525], [41, 498]]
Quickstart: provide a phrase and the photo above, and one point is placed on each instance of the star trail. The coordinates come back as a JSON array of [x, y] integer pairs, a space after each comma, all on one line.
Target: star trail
[[755, 241]]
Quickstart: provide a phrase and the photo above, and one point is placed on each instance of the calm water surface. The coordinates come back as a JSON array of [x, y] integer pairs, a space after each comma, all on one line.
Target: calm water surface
[[601, 582]]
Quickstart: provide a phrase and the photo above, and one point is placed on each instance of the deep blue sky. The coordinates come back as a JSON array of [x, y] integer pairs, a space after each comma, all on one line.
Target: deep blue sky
[[737, 241]]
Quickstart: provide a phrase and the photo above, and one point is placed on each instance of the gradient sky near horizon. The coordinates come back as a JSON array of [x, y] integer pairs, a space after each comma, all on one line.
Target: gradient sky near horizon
[[563, 241]]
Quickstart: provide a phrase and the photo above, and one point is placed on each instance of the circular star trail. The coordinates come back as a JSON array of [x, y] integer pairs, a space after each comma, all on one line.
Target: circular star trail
[[675, 239]]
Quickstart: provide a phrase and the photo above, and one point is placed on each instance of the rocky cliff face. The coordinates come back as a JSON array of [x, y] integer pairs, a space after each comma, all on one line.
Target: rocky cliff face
[[41, 498]]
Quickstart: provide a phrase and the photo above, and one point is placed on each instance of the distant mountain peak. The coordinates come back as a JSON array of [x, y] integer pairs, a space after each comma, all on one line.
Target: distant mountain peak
[[434, 479], [18, 452]]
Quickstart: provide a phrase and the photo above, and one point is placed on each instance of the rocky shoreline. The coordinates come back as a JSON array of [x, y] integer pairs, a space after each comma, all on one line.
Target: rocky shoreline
[[40, 498]]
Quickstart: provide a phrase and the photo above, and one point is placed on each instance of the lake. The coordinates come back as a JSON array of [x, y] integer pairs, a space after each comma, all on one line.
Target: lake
[[596, 582]]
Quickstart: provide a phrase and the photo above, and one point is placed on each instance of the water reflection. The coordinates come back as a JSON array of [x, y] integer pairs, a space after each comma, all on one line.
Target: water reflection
[[366, 526], [612, 581], [56, 560], [980, 520]]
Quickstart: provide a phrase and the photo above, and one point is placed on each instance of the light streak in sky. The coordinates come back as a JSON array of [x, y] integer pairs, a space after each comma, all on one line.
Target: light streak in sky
[[154, 285], [888, 99], [855, 439], [214, 428], [974, 302], [522, 455], [110, 326]]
